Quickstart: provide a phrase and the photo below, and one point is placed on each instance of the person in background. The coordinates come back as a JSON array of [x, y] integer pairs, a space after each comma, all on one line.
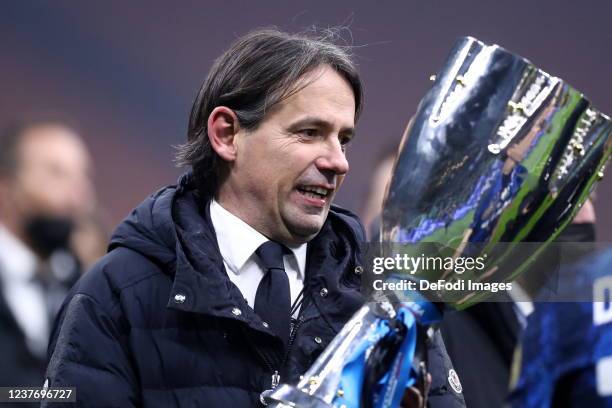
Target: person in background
[[89, 239], [45, 189], [564, 357], [372, 205], [492, 329]]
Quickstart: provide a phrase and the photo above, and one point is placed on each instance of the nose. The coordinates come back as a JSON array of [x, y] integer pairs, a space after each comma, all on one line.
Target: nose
[[333, 158]]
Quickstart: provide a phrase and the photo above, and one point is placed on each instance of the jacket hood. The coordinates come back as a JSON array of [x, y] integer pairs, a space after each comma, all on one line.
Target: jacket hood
[[149, 229]]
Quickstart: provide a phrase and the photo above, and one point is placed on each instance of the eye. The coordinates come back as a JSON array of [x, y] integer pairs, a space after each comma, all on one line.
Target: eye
[[309, 132], [345, 140]]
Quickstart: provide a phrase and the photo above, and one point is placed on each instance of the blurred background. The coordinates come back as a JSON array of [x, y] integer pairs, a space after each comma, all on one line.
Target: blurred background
[[127, 72]]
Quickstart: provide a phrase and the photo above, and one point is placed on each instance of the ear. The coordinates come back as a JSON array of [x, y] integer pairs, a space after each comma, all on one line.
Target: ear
[[222, 128]]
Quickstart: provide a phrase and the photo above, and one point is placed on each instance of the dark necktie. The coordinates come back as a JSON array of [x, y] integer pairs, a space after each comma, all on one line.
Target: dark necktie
[[273, 297]]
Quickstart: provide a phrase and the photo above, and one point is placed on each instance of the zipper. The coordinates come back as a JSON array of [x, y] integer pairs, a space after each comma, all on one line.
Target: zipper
[[292, 337], [275, 379], [265, 360]]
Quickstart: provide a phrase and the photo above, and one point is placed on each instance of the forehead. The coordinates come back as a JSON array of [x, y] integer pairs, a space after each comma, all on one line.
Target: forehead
[[52, 144], [323, 93]]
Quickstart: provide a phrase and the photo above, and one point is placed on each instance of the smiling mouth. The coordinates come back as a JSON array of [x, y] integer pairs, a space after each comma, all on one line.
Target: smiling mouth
[[316, 192]]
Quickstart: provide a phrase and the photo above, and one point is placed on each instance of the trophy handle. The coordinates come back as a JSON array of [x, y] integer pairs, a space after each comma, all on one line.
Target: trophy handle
[[370, 363]]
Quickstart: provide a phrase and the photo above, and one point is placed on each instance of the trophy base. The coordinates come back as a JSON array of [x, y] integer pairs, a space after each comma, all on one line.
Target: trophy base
[[289, 396]]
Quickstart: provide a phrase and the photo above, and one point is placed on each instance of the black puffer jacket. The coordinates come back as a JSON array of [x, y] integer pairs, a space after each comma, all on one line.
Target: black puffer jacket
[[158, 323]]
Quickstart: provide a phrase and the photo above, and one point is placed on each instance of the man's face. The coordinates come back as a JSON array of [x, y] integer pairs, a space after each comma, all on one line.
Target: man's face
[[288, 170], [52, 176]]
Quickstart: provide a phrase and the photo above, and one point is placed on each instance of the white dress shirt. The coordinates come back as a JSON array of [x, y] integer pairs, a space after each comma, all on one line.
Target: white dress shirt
[[24, 297], [238, 242], [522, 306]]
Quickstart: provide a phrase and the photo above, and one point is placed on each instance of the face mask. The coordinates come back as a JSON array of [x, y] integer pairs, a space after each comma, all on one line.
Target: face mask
[[584, 232], [575, 242], [47, 233]]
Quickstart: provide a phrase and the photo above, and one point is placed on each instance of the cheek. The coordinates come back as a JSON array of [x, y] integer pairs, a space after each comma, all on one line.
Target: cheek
[[288, 163], [44, 192], [23, 200]]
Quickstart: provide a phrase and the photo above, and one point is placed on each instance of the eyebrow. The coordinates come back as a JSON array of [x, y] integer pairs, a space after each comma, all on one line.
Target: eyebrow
[[318, 122]]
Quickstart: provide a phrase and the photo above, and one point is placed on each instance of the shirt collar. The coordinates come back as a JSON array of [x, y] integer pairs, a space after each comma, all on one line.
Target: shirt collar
[[238, 240], [17, 261]]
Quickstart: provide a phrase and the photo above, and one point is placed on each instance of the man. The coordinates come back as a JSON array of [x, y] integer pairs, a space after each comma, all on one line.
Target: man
[[576, 369], [572, 321], [216, 289], [492, 329], [44, 188]]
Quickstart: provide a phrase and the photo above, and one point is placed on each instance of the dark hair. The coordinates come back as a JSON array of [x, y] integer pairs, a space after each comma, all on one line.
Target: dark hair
[[258, 71], [11, 137]]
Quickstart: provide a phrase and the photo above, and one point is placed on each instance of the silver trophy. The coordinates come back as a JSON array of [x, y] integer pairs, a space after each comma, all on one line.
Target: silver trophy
[[499, 153]]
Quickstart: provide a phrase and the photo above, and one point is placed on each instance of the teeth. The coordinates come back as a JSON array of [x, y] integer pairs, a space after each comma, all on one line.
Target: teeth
[[317, 190], [312, 195]]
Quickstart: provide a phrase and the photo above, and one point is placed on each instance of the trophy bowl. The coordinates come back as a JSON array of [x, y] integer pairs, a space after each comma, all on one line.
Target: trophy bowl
[[495, 163]]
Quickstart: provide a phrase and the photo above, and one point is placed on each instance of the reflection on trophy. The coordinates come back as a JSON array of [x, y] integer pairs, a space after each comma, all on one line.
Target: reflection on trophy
[[499, 153]]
